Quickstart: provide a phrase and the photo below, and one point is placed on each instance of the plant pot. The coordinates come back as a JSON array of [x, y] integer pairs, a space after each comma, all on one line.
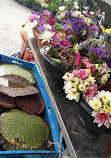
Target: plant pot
[[39, 41]]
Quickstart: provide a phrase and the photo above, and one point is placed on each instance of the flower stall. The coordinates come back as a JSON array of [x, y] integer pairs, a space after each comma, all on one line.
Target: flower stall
[[81, 90]]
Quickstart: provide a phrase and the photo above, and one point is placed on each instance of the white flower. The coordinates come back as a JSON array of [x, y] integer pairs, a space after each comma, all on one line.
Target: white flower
[[68, 86], [58, 17], [84, 32], [87, 20], [81, 87], [65, 77], [75, 13], [95, 103], [90, 79], [46, 36], [75, 85], [77, 80], [104, 78], [34, 23], [105, 96], [62, 8], [62, 14], [72, 94], [47, 26]]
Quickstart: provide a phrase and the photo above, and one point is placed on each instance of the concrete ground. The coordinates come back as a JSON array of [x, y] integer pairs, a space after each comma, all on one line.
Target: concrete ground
[[12, 16]]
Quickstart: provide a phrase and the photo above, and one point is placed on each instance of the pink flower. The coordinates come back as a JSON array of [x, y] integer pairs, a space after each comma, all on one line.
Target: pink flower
[[90, 92], [82, 74], [86, 15], [71, 77], [51, 21], [33, 17], [77, 59], [101, 71], [91, 67], [65, 44], [46, 13], [85, 62], [102, 118]]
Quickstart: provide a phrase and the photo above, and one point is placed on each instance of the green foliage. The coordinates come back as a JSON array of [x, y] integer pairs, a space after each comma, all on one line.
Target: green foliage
[[24, 130], [93, 58], [53, 53], [58, 61], [58, 27], [54, 56], [69, 4]]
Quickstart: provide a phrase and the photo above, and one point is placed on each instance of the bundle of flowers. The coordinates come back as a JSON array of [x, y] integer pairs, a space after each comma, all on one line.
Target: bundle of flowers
[[101, 105], [77, 24], [88, 83], [49, 31]]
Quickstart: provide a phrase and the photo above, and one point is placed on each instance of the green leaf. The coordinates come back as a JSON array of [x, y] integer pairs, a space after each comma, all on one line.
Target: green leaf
[[56, 61], [93, 57], [72, 39], [57, 27], [100, 61], [53, 53]]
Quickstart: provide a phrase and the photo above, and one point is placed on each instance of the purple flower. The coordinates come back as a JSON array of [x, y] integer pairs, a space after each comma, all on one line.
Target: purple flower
[[55, 41], [40, 28], [33, 17], [92, 50], [37, 13], [90, 30], [68, 13], [67, 38], [78, 25], [68, 26], [103, 53], [41, 21]]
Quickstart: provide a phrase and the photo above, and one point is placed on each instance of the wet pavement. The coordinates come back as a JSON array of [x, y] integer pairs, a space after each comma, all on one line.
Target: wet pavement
[[12, 16]]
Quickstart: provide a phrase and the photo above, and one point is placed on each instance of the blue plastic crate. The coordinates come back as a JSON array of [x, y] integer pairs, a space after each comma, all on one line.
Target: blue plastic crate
[[48, 115]]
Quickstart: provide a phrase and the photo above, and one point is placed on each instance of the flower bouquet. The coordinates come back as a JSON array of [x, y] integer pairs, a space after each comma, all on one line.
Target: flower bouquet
[[92, 83]]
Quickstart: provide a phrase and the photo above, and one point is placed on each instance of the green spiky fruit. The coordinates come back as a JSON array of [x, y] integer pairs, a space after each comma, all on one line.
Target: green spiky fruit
[[6, 69], [24, 130]]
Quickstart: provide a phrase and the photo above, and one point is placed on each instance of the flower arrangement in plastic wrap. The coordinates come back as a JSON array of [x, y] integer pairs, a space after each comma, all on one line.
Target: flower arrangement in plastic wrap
[[92, 83], [79, 26]]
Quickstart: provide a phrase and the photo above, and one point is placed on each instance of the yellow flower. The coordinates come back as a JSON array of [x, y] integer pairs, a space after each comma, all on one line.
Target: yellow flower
[[65, 77], [73, 95], [107, 109], [95, 103], [87, 20], [108, 30]]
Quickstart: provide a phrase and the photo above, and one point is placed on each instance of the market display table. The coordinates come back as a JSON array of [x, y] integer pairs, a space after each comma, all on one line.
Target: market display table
[[82, 137]]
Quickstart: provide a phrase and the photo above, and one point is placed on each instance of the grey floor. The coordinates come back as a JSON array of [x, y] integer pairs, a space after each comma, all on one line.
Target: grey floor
[[12, 16]]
